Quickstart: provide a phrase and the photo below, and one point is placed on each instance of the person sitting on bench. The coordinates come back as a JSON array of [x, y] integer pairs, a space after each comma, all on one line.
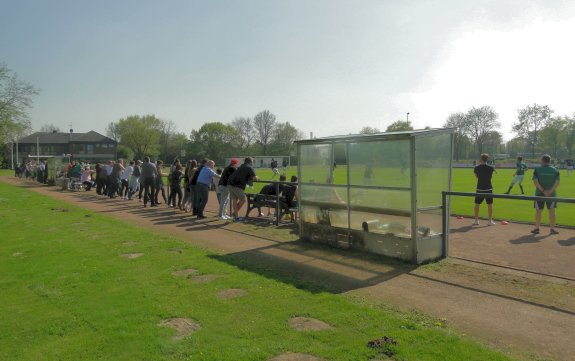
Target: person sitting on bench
[[290, 196], [267, 192]]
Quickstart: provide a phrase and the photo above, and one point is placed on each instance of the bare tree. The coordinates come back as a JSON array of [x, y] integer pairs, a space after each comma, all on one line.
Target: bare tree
[[265, 125], [460, 125], [400, 126], [245, 128], [531, 120], [481, 121], [50, 128]]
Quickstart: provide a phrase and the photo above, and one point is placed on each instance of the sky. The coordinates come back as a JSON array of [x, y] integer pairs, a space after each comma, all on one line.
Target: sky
[[327, 66]]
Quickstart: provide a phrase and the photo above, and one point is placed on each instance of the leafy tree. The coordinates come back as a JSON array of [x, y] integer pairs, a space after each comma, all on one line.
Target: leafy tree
[[245, 128], [531, 120], [493, 141], [480, 122], [50, 128], [570, 136], [516, 145], [284, 137], [141, 134], [400, 126], [265, 124], [553, 135], [15, 101], [369, 130], [460, 125], [214, 140]]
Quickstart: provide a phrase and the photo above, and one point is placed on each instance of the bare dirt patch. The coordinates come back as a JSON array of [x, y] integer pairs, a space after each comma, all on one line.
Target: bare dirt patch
[[183, 326], [59, 209], [17, 254], [294, 356], [204, 278], [132, 255], [231, 293], [185, 272], [308, 324]]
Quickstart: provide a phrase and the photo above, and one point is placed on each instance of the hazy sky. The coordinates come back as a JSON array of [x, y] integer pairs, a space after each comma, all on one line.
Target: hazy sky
[[326, 66]]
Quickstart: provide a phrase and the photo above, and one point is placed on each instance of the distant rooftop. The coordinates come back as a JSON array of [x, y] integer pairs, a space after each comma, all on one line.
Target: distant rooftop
[[65, 138]]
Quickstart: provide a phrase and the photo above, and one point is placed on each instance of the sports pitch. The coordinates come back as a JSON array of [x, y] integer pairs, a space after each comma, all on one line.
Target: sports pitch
[[463, 180]]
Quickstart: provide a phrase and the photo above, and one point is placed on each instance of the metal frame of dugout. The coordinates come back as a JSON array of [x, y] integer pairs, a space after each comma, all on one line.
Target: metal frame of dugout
[[381, 193]]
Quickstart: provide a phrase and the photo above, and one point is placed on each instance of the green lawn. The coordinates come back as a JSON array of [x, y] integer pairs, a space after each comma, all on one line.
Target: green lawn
[[68, 294], [464, 181]]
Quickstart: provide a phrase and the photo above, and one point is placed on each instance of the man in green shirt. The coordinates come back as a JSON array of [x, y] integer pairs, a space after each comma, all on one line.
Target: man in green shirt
[[519, 175], [546, 180]]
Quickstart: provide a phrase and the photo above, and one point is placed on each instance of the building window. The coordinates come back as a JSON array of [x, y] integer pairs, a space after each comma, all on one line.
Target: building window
[[90, 148]]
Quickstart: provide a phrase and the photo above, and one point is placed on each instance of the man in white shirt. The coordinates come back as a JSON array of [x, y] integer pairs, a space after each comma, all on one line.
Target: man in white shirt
[[124, 178]]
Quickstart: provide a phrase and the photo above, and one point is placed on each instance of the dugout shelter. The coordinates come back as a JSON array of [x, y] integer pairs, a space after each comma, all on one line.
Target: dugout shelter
[[382, 195]]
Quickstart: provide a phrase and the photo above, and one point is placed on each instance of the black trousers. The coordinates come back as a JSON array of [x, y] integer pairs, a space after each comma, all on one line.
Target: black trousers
[[149, 190], [202, 194], [175, 190], [124, 189]]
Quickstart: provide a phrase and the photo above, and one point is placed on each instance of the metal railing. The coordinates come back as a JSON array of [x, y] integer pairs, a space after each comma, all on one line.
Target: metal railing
[[446, 213]]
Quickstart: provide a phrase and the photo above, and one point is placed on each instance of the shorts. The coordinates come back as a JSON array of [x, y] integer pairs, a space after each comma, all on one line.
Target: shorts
[[487, 199], [275, 170], [518, 179], [541, 204], [237, 193]]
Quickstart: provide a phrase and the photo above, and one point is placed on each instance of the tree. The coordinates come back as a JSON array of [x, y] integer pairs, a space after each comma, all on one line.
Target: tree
[[493, 141], [570, 136], [284, 137], [480, 122], [531, 120], [245, 128], [265, 125], [50, 128], [399, 126], [215, 140], [15, 101], [141, 134], [460, 125], [516, 145], [369, 130], [167, 132], [553, 134]]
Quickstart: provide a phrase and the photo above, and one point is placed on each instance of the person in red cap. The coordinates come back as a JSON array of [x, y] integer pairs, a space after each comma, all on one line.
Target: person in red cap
[[223, 188]]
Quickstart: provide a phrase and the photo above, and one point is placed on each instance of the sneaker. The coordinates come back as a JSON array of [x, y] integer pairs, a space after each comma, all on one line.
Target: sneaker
[[506, 193], [223, 218], [475, 223], [238, 219], [491, 223], [553, 231], [535, 231], [227, 217]]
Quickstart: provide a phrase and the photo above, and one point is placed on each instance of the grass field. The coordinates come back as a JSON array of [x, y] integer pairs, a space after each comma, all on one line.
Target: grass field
[[464, 181], [69, 294]]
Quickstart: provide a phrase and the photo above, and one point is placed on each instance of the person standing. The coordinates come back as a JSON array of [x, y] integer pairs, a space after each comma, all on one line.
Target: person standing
[[125, 178], [484, 173], [160, 182], [203, 185], [176, 186], [237, 185], [224, 190], [149, 174], [519, 175], [135, 179], [193, 188], [546, 179]]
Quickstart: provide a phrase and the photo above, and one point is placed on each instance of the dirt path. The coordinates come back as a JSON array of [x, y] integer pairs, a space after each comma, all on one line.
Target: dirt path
[[515, 312]]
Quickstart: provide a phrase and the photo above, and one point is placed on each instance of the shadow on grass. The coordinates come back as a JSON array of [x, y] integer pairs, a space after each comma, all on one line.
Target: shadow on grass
[[317, 268]]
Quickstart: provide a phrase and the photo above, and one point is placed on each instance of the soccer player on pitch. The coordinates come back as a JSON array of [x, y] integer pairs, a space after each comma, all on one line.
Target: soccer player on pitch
[[519, 175], [484, 173], [546, 179]]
